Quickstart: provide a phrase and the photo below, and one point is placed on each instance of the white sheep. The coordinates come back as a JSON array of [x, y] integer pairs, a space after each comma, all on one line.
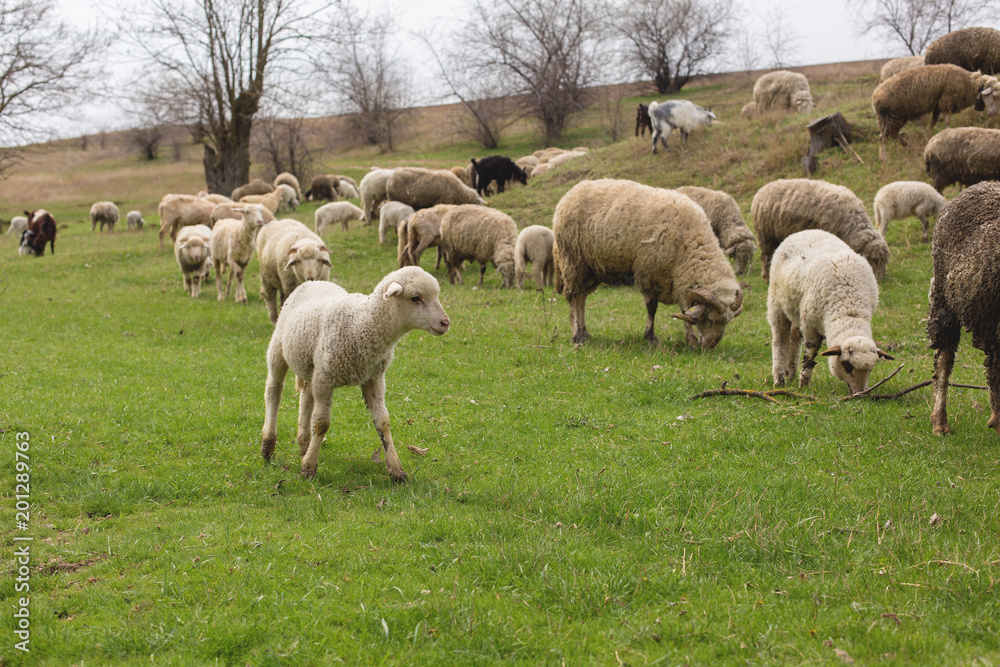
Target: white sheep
[[287, 178], [902, 199], [134, 221], [104, 213], [336, 212], [289, 198], [735, 238], [347, 190], [389, 217], [821, 288], [272, 201], [372, 191], [178, 211], [215, 198], [330, 338], [193, 252], [471, 232], [781, 90], [676, 114], [534, 244], [230, 210], [290, 254], [232, 248], [18, 224]]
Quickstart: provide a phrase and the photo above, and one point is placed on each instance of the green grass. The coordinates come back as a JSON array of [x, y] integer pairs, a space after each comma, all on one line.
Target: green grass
[[575, 505]]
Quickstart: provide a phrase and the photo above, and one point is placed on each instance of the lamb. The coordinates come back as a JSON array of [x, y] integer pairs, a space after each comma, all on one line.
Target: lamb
[[334, 212], [782, 90], [193, 252], [934, 89], [902, 199], [970, 48], [749, 110], [290, 254], [563, 158], [134, 221], [423, 188], [496, 168], [783, 207], [965, 291], [231, 210], [389, 217], [271, 201], [965, 155], [372, 191], [286, 178], [821, 288], [897, 65], [331, 339], [348, 179], [322, 188], [613, 231], [735, 238], [232, 248], [254, 187], [289, 198], [347, 190], [178, 211], [478, 233], [676, 114], [104, 213], [420, 231], [18, 224], [534, 244]]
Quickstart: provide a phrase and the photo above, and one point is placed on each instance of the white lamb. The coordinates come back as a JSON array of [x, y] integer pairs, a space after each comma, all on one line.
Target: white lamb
[[821, 288], [336, 212], [289, 200], [902, 199], [134, 221], [232, 248], [330, 338], [290, 254], [389, 217], [347, 190], [534, 244], [676, 114], [18, 224], [193, 252]]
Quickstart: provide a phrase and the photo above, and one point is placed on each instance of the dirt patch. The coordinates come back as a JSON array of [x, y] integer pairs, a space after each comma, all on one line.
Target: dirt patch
[[57, 564]]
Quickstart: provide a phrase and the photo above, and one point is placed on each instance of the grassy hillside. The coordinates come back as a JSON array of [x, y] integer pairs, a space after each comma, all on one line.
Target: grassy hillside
[[575, 505]]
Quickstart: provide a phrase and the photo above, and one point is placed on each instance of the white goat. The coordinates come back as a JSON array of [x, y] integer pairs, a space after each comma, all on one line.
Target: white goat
[[677, 114]]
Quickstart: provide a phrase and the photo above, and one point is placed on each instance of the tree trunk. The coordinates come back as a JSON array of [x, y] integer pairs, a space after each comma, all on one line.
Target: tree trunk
[[228, 166]]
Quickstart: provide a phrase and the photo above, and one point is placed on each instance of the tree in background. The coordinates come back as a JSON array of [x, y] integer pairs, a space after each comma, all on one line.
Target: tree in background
[[916, 23], [672, 41], [285, 144], [545, 52]]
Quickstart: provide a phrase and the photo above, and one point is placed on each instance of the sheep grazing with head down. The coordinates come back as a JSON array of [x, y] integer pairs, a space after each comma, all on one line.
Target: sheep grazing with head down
[[735, 238], [290, 254], [970, 48], [134, 221], [613, 232], [330, 338], [390, 215], [418, 232], [423, 188], [902, 199], [373, 193], [676, 114], [780, 91], [534, 244], [335, 212], [232, 249], [965, 292], [193, 252], [478, 233], [286, 178], [933, 89], [104, 213], [820, 288], [178, 211], [966, 155], [18, 225], [897, 65], [783, 207]]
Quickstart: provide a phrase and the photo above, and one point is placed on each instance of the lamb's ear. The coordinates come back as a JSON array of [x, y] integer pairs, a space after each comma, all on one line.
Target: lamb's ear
[[884, 355], [832, 352], [392, 290], [293, 257]]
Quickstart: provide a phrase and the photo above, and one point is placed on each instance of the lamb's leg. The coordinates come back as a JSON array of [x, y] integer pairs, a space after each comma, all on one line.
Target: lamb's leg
[[794, 348], [437, 265], [306, 404], [944, 359], [218, 280], [809, 351], [269, 294], [924, 224], [780, 328], [482, 273], [276, 371], [577, 314], [651, 305], [321, 394], [538, 274], [187, 283], [240, 293], [374, 393]]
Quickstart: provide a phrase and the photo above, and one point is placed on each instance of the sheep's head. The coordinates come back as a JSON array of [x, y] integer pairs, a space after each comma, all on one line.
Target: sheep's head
[[742, 254], [194, 249], [504, 259], [802, 101], [709, 316], [414, 293], [853, 360], [520, 175], [308, 260], [989, 94]]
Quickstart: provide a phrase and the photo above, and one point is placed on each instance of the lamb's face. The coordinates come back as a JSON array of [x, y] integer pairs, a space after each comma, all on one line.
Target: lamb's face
[[415, 292], [991, 98], [195, 250], [854, 363], [309, 261]]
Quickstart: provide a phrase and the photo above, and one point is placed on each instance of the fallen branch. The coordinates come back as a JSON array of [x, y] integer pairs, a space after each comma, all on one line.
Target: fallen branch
[[875, 386], [765, 395], [919, 385]]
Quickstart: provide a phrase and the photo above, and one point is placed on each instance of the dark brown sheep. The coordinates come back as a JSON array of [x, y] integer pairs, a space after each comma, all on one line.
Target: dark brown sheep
[[970, 48], [965, 292], [966, 155]]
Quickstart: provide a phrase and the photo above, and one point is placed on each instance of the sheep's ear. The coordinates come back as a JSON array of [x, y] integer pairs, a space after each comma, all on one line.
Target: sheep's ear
[[392, 290], [293, 258], [832, 352], [884, 355]]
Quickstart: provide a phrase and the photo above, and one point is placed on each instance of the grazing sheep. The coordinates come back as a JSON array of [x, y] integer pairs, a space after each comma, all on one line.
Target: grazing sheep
[[323, 188], [41, 229], [735, 238], [897, 65], [290, 254], [783, 207], [749, 110], [373, 192], [347, 190], [230, 210], [178, 211], [254, 187], [498, 169], [676, 114], [780, 91], [965, 292], [820, 288], [286, 178], [272, 201], [611, 231], [970, 48], [902, 199], [420, 231], [193, 252], [232, 248], [215, 198], [104, 213], [463, 173], [18, 225], [289, 198], [478, 233], [933, 89], [334, 212], [348, 179], [534, 244], [389, 217], [563, 158], [423, 188], [330, 338], [965, 155], [134, 221]]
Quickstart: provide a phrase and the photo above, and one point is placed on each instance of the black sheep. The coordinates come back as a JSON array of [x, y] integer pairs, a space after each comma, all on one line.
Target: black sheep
[[497, 168]]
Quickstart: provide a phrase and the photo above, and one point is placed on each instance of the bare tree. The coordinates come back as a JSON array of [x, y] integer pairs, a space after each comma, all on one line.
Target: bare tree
[[672, 40], [781, 42], [43, 66], [285, 144], [216, 58], [916, 23], [548, 52]]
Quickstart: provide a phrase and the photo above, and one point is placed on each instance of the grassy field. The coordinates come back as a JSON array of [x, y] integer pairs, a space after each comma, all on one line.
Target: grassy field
[[575, 505]]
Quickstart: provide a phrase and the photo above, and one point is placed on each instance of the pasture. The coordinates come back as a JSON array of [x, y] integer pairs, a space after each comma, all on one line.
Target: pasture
[[575, 505]]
